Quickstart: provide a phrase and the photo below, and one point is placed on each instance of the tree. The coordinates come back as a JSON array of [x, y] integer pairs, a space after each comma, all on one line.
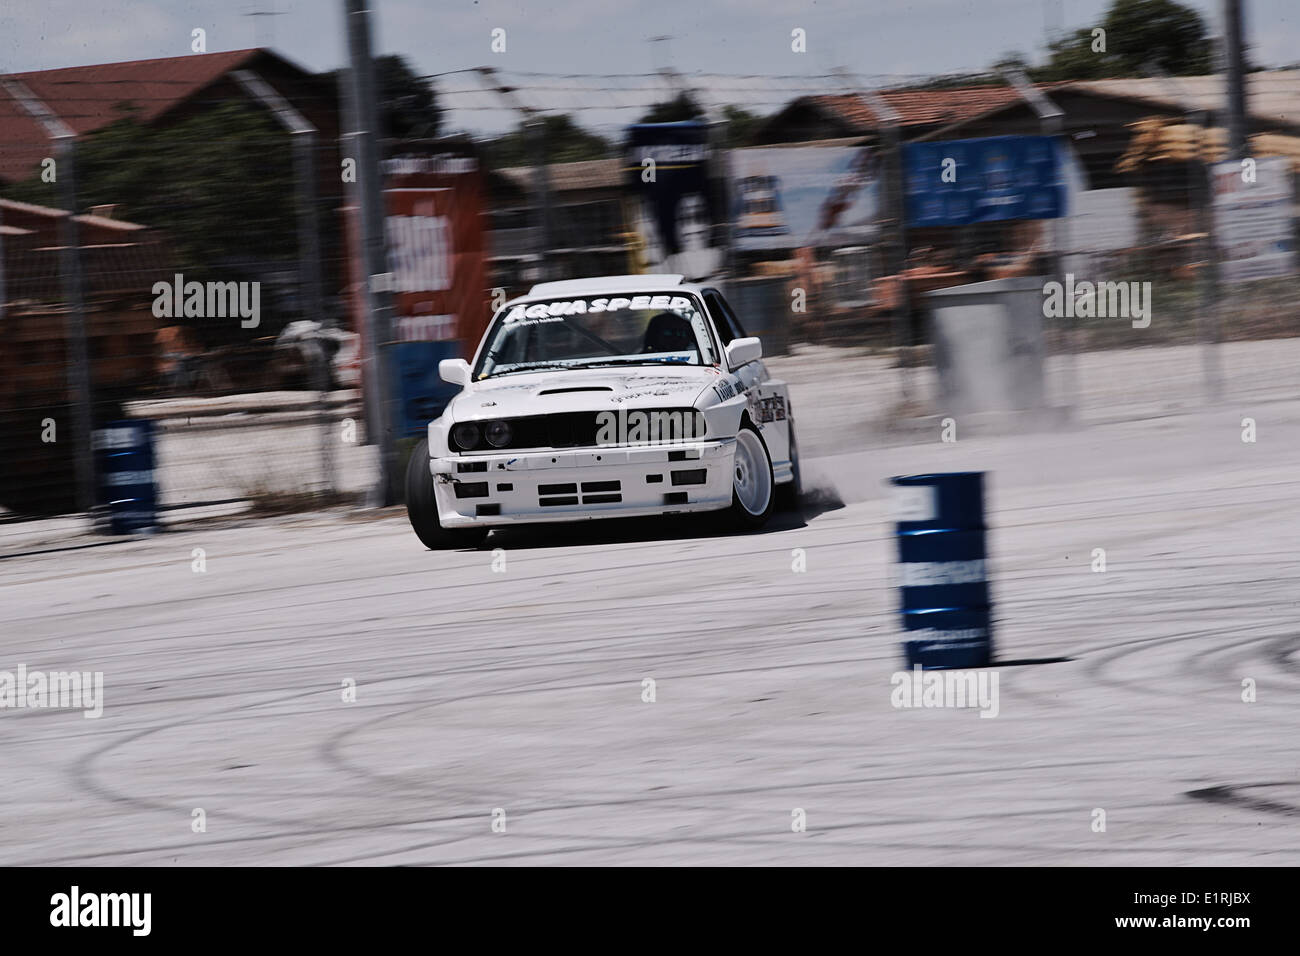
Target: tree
[[408, 103], [1138, 35], [680, 108], [220, 183], [1015, 60], [220, 187], [1072, 58], [408, 106], [566, 142], [741, 124]]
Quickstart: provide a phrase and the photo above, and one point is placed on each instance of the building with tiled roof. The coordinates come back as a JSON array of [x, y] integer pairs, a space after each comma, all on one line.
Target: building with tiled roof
[[830, 116], [1099, 115], [88, 98]]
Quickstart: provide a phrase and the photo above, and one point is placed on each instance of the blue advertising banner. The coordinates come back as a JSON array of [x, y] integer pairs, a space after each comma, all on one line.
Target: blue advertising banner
[[960, 181]]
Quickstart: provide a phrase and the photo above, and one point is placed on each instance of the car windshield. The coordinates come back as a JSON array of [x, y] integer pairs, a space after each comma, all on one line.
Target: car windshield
[[600, 331]]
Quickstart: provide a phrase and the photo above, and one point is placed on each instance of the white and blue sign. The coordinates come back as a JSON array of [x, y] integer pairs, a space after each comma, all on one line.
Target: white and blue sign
[[962, 181]]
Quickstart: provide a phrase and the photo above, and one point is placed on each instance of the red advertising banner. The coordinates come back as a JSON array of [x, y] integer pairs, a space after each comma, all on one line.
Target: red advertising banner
[[437, 273], [436, 249]]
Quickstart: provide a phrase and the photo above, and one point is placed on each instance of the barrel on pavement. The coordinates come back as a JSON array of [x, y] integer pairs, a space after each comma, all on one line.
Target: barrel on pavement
[[943, 591], [126, 475]]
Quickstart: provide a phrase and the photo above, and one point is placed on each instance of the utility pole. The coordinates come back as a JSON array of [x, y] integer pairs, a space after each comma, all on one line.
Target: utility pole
[[376, 361], [1235, 60]]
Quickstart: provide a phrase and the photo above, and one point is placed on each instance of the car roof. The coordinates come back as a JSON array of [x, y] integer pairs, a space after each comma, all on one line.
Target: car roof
[[630, 283]]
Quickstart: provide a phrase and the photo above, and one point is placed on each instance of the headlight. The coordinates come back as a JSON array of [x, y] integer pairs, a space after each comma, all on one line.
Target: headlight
[[465, 435], [499, 434]]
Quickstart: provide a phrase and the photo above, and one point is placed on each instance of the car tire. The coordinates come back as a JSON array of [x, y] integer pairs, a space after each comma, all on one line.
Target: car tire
[[753, 492], [789, 494], [422, 508]]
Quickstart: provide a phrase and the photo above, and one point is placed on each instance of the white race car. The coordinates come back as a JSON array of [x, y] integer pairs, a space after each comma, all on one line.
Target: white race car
[[604, 398]]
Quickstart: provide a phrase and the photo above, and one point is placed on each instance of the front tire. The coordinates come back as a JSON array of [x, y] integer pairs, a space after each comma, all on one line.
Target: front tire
[[753, 491], [422, 508]]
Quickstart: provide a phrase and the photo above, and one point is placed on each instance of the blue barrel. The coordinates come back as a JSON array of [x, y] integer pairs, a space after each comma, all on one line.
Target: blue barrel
[[125, 460], [942, 584]]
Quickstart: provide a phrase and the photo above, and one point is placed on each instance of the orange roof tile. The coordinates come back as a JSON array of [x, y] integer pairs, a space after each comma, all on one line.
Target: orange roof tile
[[919, 107]]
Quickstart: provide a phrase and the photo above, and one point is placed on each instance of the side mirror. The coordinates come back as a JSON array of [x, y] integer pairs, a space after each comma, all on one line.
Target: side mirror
[[743, 351], [455, 371]]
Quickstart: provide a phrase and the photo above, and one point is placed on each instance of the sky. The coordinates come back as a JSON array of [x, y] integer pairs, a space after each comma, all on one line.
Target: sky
[[871, 38]]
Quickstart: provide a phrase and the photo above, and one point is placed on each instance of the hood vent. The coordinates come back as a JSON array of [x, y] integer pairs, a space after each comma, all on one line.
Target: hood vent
[[579, 388]]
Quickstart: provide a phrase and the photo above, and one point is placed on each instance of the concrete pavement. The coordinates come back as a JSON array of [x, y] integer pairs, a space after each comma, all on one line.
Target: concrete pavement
[[521, 689]]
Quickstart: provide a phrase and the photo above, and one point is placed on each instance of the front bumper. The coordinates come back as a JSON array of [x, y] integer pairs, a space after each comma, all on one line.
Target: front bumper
[[580, 484]]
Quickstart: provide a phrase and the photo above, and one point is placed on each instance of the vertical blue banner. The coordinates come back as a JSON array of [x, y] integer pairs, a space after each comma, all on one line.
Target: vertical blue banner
[[421, 394]]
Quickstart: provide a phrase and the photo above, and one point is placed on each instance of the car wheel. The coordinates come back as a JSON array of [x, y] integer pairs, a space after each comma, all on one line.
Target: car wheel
[[422, 507], [752, 487], [788, 495]]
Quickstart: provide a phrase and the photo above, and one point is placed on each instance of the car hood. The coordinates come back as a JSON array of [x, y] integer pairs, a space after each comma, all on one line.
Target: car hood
[[577, 390]]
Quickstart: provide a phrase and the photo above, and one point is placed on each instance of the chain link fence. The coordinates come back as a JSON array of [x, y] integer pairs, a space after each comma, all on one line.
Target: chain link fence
[[1137, 164], [210, 295], [259, 402]]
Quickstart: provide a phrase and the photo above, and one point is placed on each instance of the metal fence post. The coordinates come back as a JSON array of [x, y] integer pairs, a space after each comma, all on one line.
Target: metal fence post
[[79, 375], [535, 124], [79, 379], [1052, 122], [304, 143], [303, 134], [1202, 173], [894, 197], [1207, 316], [894, 211]]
